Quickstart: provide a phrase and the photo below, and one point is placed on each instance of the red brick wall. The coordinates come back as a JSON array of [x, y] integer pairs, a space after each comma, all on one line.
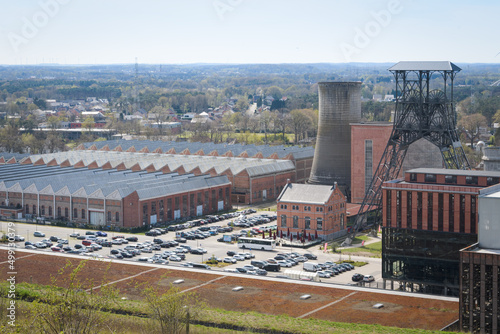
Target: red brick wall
[[332, 212], [425, 189], [379, 134]]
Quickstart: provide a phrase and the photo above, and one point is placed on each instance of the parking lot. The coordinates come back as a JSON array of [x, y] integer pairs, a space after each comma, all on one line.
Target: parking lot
[[147, 248]]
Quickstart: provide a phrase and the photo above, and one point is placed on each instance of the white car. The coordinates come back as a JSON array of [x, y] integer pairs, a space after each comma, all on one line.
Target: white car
[[18, 238], [239, 257], [174, 258], [230, 260], [249, 255], [368, 278], [284, 264], [323, 274]]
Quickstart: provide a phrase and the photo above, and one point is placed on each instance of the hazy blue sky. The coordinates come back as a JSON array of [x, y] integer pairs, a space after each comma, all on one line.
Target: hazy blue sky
[[247, 31]]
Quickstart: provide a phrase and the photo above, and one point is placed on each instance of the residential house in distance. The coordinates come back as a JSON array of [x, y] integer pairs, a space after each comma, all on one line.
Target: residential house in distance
[[305, 209]]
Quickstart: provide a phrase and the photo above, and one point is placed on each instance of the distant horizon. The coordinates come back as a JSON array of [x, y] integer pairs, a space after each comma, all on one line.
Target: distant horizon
[[92, 32], [228, 63]]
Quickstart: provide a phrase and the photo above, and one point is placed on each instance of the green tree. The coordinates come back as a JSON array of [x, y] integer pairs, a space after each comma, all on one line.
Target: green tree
[[53, 122], [241, 104], [88, 123], [171, 311], [76, 308]]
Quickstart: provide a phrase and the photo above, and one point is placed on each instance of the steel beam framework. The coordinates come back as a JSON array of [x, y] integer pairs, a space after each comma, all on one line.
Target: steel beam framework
[[421, 112]]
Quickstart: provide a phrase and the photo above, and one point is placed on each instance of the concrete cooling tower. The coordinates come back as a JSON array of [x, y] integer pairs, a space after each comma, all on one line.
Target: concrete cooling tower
[[339, 105]]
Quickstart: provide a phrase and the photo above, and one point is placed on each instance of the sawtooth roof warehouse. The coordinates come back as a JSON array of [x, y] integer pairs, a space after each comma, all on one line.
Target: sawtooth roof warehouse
[[132, 189]]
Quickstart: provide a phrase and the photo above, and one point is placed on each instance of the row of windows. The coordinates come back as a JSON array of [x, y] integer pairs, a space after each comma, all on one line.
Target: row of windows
[[306, 208], [452, 179], [307, 222], [66, 212], [451, 209]]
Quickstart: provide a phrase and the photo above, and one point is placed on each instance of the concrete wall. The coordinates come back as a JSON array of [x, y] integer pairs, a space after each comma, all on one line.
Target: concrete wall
[[491, 158], [339, 105], [489, 226]]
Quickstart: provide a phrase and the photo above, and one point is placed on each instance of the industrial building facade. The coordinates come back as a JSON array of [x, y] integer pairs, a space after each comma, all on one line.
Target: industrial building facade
[[306, 209], [368, 142], [427, 218], [110, 197], [257, 173], [480, 270]]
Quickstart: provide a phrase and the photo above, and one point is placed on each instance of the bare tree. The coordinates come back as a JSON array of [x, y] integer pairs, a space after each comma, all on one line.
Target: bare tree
[[471, 125]]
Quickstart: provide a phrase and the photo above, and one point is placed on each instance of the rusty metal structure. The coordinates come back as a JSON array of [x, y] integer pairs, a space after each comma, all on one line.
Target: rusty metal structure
[[424, 109]]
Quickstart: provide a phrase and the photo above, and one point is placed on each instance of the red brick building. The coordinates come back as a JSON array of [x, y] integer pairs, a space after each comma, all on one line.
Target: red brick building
[[312, 209], [368, 142], [111, 197], [428, 216]]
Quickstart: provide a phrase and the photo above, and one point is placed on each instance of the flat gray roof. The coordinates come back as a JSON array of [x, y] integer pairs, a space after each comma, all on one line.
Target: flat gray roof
[[425, 66]]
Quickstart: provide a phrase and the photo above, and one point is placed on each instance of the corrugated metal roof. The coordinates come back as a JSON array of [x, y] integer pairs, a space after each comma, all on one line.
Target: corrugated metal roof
[[425, 66]]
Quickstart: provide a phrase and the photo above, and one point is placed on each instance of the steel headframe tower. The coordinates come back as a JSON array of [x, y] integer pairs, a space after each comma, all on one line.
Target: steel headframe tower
[[421, 112]]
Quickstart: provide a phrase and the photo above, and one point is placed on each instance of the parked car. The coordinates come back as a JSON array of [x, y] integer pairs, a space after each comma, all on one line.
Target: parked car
[[132, 239], [38, 234], [231, 253], [310, 256], [368, 278], [323, 274], [229, 260], [284, 264], [101, 234], [357, 277], [74, 235], [261, 272]]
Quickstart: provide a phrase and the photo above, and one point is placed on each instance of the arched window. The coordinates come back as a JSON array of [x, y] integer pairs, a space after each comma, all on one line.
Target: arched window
[[83, 213], [75, 213], [34, 209], [295, 222], [117, 217], [50, 211], [58, 211], [43, 210], [109, 216], [66, 212], [27, 208]]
